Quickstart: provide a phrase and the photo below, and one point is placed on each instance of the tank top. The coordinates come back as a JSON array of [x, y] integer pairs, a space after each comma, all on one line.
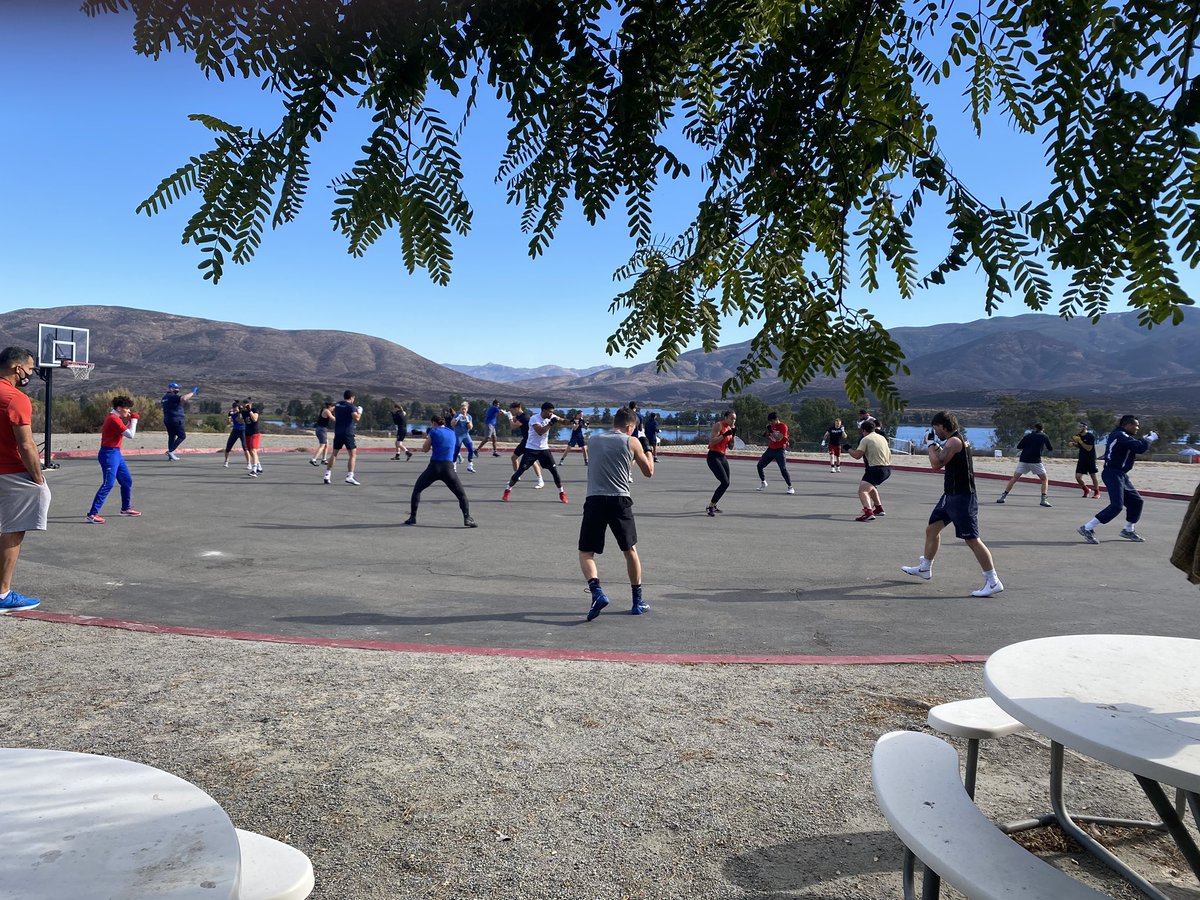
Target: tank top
[[960, 473], [608, 468], [721, 444]]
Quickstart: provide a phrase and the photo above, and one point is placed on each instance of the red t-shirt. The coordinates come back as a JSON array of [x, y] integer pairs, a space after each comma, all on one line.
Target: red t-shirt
[[113, 432], [15, 409], [777, 436]]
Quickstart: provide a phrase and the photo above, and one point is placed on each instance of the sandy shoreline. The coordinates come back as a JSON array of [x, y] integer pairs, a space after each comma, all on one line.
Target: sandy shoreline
[[1169, 477]]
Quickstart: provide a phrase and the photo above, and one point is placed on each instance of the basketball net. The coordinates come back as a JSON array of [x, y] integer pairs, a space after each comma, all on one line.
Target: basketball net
[[80, 370]]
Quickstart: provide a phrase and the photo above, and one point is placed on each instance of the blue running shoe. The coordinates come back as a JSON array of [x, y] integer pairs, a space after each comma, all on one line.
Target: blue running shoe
[[639, 609], [15, 602], [599, 601]]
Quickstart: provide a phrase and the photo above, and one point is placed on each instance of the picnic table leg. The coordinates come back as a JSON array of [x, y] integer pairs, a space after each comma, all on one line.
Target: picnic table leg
[[1085, 840], [1165, 808]]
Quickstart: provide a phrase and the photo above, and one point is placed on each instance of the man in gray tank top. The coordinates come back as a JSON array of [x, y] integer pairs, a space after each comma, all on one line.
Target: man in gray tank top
[[609, 506]]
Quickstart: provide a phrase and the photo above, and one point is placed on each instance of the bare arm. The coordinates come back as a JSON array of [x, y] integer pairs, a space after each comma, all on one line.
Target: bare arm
[[644, 460], [427, 444], [939, 456], [27, 448]]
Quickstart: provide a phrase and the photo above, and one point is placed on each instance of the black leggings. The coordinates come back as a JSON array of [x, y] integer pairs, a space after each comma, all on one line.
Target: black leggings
[[720, 467], [777, 454], [235, 437], [440, 471], [528, 458]]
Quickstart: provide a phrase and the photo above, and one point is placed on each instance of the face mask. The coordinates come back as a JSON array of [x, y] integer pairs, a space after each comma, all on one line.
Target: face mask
[[23, 380]]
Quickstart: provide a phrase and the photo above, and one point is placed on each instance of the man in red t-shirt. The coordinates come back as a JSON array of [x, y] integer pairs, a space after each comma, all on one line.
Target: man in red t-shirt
[[24, 496], [777, 441]]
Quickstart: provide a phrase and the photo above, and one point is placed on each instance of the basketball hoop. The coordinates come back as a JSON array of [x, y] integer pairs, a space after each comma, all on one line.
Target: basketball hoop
[[81, 371]]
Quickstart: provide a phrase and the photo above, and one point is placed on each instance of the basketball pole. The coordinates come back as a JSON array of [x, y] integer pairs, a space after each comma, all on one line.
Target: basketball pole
[[46, 373]]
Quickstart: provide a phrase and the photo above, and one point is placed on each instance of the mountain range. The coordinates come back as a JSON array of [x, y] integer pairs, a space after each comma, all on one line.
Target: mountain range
[[961, 365]]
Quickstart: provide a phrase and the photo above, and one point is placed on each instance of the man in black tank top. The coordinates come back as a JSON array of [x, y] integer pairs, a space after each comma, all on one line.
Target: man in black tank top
[[949, 452]]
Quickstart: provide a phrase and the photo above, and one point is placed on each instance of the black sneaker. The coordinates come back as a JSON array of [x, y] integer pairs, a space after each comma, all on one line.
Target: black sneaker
[[411, 520], [1132, 536], [1088, 535], [599, 601], [468, 522]]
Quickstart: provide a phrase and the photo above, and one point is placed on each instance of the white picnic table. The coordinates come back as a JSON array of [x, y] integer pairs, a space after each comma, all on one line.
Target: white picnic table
[[1130, 701], [82, 825]]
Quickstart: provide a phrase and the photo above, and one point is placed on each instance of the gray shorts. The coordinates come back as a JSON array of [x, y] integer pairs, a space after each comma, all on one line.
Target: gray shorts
[[1038, 469], [23, 504], [491, 432]]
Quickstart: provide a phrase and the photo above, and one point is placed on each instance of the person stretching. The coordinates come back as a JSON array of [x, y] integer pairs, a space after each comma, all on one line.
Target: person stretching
[[724, 430], [777, 441], [441, 441], [120, 423]]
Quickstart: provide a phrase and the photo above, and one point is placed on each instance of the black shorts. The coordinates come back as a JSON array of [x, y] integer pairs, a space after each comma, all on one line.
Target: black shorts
[[601, 513], [1085, 467], [519, 450], [322, 435], [959, 510], [575, 441], [344, 440], [876, 475]]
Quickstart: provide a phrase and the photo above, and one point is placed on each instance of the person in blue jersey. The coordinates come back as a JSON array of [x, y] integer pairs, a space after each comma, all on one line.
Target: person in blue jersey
[[491, 417], [441, 442], [652, 429], [1123, 447], [173, 404], [345, 427], [578, 425], [237, 430], [462, 423]]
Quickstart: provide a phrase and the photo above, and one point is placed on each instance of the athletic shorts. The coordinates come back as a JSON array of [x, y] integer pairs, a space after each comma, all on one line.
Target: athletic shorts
[[322, 435], [1038, 469], [1083, 467], [575, 441], [876, 475], [344, 440], [491, 432], [253, 441], [519, 450], [23, 504], [835, 449], [959, 510], [601, 513], [401, 432]]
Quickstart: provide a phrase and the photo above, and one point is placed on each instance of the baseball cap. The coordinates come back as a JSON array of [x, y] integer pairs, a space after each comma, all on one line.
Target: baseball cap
[[173, 386]]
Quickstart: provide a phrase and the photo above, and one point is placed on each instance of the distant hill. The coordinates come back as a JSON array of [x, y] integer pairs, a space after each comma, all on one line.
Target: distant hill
[[963, 365], [144, 351], [497, 372]]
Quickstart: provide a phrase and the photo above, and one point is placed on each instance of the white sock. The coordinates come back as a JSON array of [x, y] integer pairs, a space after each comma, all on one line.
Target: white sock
[[990, 576], [924, 565], [5, 595], [1129, 527], [1091, 523]]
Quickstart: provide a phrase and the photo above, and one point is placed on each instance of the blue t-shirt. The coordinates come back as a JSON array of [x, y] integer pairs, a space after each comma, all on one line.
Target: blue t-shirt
[[343, 418], [492, 415], [235, 422], [172, 405], [442, 443]]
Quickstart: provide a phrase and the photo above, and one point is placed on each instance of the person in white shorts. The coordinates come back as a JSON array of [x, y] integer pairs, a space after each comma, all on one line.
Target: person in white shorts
[[24, 495], [1030, 462]]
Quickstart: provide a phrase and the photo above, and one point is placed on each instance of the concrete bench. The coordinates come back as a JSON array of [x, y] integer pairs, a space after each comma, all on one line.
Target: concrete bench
[[917, 786], [272, 870]]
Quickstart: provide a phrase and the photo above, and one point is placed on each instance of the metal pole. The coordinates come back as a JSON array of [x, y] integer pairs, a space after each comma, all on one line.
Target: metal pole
[[47, 374]]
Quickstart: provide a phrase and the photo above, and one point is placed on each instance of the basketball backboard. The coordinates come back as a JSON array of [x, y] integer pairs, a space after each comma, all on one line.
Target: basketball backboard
[[57, 343]]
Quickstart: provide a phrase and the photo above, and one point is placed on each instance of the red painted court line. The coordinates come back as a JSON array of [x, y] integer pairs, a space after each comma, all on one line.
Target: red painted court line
[[567, 655]]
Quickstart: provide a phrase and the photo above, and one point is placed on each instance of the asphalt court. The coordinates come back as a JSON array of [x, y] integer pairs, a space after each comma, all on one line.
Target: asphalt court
[[775, 575]]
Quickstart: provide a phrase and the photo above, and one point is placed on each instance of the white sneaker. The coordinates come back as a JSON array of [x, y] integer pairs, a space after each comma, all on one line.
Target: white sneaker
[[350, 479], [791, 490], [762, 487], [540, 484], [326, 478], [923, 574], [471, 467], [989, 589], [227, 464]]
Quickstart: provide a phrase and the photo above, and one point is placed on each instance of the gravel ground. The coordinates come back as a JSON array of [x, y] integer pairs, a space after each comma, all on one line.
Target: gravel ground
[[418, 775]]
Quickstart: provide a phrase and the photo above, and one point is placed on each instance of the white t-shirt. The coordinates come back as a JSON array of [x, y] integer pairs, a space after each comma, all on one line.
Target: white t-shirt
[[537, 441]]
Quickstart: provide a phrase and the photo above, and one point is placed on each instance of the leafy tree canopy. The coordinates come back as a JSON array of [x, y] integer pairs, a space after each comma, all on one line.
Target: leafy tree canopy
[[1058, 418], [817, 145]]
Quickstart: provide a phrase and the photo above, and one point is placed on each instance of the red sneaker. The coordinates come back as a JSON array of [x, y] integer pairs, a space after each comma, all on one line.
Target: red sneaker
[[879, 511], [130, 512], [95, 520], [507, 493], [867, 516], [562, 495]]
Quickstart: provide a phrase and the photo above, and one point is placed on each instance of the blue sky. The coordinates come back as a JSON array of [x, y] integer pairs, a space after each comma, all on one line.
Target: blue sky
[[91, 128]]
